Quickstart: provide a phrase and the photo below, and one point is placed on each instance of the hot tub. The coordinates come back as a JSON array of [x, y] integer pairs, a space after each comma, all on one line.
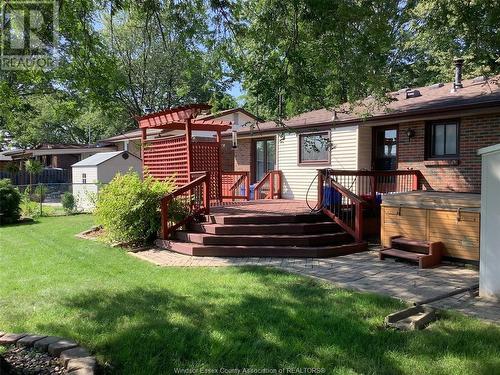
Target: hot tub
[[452, 218]]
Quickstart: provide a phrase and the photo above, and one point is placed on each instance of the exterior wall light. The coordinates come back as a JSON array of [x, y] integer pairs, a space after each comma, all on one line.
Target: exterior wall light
[[410, 133]]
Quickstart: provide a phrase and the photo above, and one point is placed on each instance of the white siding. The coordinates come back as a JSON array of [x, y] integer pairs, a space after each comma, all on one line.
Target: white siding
[[297, 178], [365, 147], [109, 169], [91, 173], [84, 193]]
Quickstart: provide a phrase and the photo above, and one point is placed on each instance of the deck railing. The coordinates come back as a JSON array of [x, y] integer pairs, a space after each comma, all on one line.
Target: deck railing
[[349, 196], [346, 209], [269, 187], [185, 204], [235, 186], [369, 185]]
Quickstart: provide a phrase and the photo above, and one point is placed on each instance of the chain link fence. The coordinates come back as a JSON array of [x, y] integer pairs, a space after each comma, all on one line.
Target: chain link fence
[[58, 198]]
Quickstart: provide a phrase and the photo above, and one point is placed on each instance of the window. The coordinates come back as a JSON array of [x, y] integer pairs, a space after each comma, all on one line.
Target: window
[[265, 157], [442, 139], [314, 148], [84, 178]]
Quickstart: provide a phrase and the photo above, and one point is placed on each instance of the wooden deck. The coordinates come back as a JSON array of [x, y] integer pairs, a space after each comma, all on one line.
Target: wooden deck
[[262, 207], [263, 228]]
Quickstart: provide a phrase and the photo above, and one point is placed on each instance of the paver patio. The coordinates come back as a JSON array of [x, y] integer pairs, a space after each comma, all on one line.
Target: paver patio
[[364, 272]]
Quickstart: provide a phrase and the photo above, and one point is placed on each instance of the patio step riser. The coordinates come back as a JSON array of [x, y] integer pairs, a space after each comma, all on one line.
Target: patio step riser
[[265, 219], [277, 229], [409, 245], [270, 240], [260, 251]]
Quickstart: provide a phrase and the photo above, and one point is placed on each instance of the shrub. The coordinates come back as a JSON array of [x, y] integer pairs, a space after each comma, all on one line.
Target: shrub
[[28, 207], [128, 208], [68, 202], [10, 198]]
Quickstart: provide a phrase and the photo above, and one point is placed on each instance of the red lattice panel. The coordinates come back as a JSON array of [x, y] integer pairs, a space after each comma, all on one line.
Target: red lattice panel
[[167, 157], [206, 158]]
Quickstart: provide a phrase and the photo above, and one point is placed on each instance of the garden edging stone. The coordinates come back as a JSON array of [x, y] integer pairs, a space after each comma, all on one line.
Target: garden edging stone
[[75, 359]]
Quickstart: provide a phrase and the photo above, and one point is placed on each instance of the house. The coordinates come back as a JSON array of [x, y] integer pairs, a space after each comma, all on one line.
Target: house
[[436, 130], [61, 156], [346, 161], [239, 117], [98, 169], [373, 167], [5, 160], [56, 160]]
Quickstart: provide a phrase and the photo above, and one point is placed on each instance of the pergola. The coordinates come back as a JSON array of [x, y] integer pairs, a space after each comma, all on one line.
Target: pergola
[[179, 156]]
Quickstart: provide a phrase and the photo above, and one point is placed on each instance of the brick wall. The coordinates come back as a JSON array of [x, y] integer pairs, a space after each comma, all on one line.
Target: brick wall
[[227, 154], [243, 156], [475, 132]]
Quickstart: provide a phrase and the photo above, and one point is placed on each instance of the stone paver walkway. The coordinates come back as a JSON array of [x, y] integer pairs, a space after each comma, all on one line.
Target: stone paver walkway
[[363, 272]]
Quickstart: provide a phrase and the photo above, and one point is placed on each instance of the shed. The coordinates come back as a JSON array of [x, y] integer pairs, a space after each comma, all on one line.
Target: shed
[[489, 276], [98, 169]]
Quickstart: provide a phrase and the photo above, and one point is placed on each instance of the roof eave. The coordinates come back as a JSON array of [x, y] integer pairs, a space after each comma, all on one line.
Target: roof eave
[[407, 115]]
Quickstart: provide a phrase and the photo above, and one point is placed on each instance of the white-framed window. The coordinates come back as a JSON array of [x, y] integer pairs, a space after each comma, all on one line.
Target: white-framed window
[[314, 148], [84, 178]]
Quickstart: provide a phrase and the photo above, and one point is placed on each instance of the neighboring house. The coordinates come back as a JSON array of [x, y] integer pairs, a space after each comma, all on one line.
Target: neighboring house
[[241, 118], [100, 169], [4, 160], [436, 129], [58, 155]]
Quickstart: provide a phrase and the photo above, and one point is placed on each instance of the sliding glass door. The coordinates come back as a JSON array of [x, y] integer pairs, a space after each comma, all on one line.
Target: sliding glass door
[[265, 157]]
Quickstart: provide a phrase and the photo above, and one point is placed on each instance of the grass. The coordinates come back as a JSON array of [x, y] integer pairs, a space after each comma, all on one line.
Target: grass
[[144, 319]]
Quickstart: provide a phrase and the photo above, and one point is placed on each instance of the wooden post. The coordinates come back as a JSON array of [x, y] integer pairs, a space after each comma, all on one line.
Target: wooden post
[[164, 219], [247, 185], [373, 187], [321, 181], [271, 184], [219, 169], [189, 149], [415, 181], [279, 184], [143, 144], [206, 193], [358, 230]]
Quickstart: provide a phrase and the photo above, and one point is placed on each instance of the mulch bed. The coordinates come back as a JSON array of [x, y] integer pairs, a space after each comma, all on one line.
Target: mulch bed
[[27, 361], [97, 233]]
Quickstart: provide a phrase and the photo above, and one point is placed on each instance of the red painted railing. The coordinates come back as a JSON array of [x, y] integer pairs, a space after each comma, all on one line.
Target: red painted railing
[[354, 195], [185, 204], [235, 186], [269, 187], [346, 209]]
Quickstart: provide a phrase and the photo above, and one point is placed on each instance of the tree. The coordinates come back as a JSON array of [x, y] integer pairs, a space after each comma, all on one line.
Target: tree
[[33, 167], [115, 59], [302, 55], [435, 31]]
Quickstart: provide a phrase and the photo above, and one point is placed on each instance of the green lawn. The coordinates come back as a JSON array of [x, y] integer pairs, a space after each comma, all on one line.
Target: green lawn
[[147, 320]]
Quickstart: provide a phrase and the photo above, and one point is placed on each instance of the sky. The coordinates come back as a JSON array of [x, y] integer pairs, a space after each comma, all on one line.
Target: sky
[[237, 91]]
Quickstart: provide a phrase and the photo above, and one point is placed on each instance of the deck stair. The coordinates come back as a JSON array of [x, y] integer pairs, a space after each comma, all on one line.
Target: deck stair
[[288, 235], [426, 254]]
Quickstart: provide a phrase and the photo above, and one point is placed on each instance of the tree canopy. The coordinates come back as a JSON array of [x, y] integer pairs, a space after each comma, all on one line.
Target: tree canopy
[[120, 58]]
